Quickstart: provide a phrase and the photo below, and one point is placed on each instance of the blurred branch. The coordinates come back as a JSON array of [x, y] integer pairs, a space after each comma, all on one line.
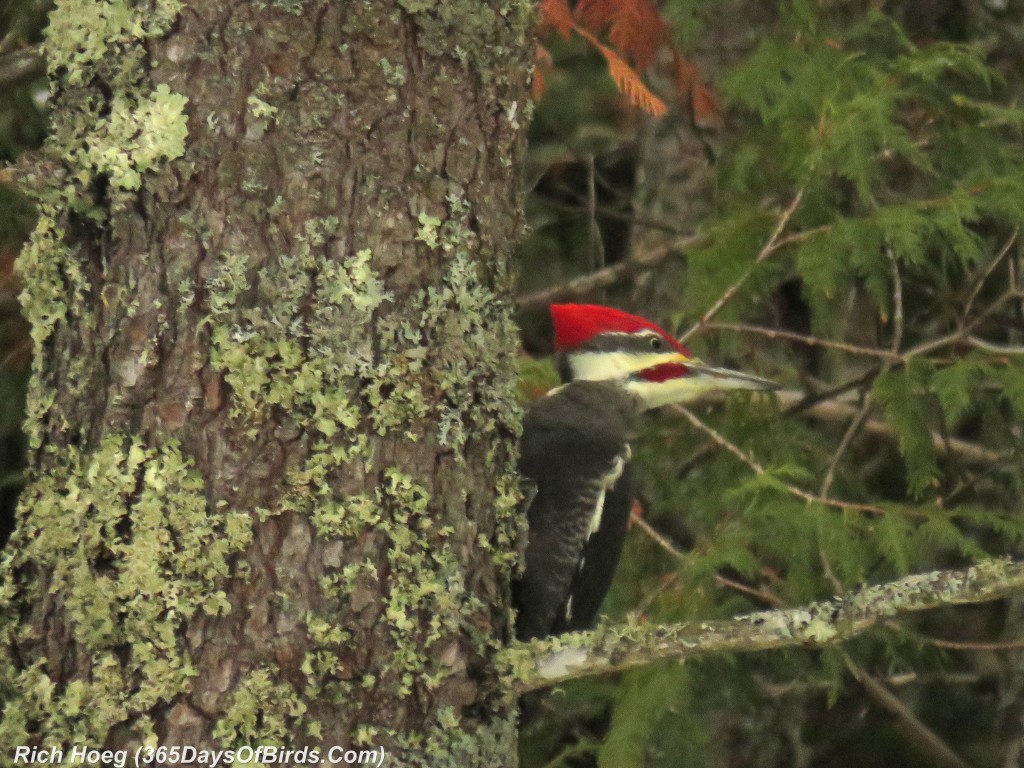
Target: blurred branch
[[897, 302], [596, 242], [995, 349], [769, 248], [852, 430], [21, 64], [656, 536], [607, 276], [859, 421], [759, 469], [976, 645], [775, 690], [987, 272], [839, 405], [811, 341], [921, 735], [543, 663], [841, 410]]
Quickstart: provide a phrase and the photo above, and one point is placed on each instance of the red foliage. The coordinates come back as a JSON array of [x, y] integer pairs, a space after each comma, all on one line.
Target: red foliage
[[627, 80], [635, 27], [555, 14], [706, 111], [542, 65], [703, 105], [635, 31]]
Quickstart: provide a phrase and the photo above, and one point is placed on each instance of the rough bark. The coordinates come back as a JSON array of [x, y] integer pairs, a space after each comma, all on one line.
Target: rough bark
[[271, 420]]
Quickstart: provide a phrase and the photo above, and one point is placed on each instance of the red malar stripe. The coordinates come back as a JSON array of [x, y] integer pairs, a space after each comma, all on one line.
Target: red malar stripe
[[664, 372]]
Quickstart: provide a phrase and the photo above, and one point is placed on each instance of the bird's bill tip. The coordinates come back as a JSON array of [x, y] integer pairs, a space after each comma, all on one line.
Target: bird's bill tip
[[724, 378]]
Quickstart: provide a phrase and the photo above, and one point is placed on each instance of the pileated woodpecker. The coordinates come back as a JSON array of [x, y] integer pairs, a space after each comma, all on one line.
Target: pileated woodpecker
[[575, 456]]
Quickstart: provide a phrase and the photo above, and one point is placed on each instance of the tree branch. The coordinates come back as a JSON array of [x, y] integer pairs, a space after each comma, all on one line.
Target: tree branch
[[770, 247], [841, 410], [22, 64], [543, 663], [607, 276], [923, 737]]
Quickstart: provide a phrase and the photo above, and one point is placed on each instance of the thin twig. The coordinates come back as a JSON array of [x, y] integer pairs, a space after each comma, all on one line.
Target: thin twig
[[976, 645], [851, 432], [763, 594], [989, 269], [769, 248], [759, 469], [775, 690], [923, 736], [995, 349], [610, 275], [596, 243], [797, 403], [811, 341], [655, 536], [897, 303]]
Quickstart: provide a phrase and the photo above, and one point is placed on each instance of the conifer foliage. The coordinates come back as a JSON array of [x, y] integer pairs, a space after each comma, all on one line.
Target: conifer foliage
[[862, 243]]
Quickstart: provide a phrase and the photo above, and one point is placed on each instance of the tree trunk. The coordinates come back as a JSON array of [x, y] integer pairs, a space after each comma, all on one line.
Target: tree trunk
[[272, 420]]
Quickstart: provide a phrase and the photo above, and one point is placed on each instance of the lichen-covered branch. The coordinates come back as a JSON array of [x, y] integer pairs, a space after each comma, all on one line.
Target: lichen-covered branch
[[614, 648]]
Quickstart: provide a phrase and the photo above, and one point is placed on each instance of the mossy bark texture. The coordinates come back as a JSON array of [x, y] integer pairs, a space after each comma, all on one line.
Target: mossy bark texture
[[272, 421]]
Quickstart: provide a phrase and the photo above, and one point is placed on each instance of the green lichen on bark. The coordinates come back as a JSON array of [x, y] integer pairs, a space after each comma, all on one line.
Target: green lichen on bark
[[305, 344], [447, 744], [115, 534], [261, 711], [126, 541], [427, 581], [292, 334], [124, 131], [139, 133], [82, 34], [474, 25], [116, 133]]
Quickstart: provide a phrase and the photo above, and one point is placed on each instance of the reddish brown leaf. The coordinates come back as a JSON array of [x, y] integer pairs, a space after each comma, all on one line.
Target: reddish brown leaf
[[628, 81], [703, 105], [706, 111], [555, 14], [635, 28], [684, 75], [542, 64], [625, 78]]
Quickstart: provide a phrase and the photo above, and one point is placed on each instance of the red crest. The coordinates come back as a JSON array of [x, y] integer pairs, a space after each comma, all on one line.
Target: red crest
[[576, 324]]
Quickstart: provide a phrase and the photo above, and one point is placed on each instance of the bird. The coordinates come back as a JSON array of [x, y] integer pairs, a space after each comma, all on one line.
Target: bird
[[576, 461]]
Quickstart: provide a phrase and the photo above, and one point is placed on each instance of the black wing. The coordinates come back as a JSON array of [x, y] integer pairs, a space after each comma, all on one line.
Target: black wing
[[573, 448], [599, 560]]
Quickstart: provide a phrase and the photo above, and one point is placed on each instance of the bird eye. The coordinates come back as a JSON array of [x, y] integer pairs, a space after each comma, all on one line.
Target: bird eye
[[657, 343]]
